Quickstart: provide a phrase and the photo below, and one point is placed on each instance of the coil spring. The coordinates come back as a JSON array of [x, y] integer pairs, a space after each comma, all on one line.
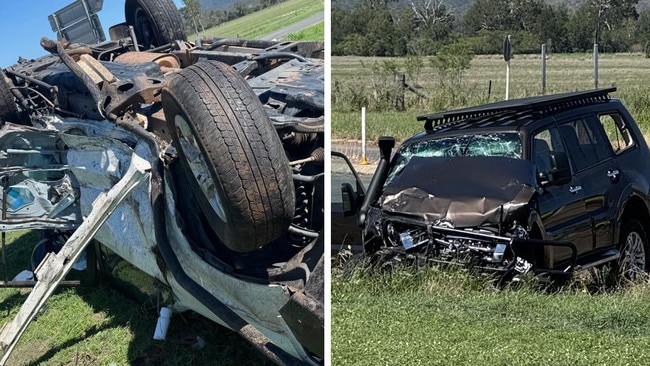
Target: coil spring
[[302, 216]]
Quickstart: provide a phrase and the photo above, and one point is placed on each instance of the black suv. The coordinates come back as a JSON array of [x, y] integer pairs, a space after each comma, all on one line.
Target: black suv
[[547, 184]]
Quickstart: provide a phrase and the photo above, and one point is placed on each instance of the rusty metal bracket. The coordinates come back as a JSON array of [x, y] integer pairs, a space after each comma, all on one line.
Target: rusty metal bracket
[[115, 96], [121, 95]]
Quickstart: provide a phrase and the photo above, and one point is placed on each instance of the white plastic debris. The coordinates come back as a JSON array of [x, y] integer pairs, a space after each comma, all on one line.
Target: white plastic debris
[[200, 343], [25, 275], [163, 323], [81, 263]]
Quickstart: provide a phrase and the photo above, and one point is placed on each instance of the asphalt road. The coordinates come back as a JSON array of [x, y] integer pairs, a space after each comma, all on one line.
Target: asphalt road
[[352, 149], [295, 27]]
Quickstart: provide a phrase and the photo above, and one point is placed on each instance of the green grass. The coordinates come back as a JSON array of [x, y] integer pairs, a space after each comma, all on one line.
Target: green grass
[[99, 325], [314, 33], [442, 317], [267, 20], [347, 125], [358, 81], [565, 72]]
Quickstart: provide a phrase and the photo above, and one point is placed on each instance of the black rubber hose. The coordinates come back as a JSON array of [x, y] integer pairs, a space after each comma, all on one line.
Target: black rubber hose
[[279, 55]]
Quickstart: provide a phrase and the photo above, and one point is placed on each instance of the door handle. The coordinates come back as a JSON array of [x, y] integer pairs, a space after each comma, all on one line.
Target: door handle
[[613, 174], [575, 189]]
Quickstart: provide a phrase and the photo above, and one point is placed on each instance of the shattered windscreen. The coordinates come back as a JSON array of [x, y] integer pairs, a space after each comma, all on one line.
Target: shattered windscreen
[[491, 144]]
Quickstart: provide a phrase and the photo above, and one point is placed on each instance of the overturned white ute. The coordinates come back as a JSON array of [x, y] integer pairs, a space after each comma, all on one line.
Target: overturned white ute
[[200, 164]]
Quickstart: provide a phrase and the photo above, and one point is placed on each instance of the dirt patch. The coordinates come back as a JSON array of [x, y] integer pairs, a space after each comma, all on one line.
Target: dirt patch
[[28, 352], [81, 359]]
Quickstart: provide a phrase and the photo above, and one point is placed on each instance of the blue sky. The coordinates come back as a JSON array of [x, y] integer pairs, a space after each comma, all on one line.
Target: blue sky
[[24, 22]]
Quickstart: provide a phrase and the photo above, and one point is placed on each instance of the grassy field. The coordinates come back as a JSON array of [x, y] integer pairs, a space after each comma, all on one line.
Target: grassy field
[[314, 33], [364, 81], [443, 317], [100, 325], [267, 20]]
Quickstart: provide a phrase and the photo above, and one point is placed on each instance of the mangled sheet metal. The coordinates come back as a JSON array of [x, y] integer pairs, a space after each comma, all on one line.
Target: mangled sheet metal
[[55, 266], [462, 191]]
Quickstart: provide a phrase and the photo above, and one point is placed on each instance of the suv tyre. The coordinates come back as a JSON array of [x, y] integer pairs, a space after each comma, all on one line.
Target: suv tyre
[[633, 262]]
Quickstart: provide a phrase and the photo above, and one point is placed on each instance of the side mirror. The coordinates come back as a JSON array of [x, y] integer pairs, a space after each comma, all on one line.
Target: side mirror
[[350, 200], [560, 172], [119, 31]]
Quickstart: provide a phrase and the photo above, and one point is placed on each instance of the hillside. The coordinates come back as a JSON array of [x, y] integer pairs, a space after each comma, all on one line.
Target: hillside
[[216, 4], [221, 4]]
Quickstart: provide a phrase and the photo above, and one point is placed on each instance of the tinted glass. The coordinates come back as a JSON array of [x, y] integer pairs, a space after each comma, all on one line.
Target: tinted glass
[[583, 141], [544, 143], [492, 144], [618, 134]]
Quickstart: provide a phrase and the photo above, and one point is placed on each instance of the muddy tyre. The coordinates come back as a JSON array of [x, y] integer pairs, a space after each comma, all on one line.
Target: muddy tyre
[[633, 263], [231, 154], [156, 22], [8, 109]]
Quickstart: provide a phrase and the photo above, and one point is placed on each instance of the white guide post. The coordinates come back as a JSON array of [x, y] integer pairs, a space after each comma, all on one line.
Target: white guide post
[[364, 160], [507, 54]]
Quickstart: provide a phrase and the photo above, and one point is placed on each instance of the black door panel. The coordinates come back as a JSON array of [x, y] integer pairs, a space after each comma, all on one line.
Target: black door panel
[[561, 207], [565, 218], [344, 229]]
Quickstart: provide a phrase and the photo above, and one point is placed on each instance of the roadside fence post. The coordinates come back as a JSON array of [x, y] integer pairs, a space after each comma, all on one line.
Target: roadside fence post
[[400, 84], [507, 55]]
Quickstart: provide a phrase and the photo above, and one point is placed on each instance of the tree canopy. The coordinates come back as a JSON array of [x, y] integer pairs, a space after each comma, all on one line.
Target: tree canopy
[[423, 27]]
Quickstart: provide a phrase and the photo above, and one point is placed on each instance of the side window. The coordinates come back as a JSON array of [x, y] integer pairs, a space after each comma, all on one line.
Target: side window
[[584, 143], [618, 134], [544, 143]]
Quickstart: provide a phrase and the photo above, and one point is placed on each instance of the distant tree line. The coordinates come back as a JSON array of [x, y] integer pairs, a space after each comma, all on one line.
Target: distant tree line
[[422, 27], [197, 19]]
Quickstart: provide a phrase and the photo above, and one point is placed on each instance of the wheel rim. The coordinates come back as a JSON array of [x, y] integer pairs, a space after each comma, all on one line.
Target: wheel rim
[[634, 256], [198, 166], [144, 29]]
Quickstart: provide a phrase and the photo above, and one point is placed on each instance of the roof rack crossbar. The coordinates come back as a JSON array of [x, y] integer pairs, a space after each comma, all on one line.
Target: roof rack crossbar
[[541, 105]]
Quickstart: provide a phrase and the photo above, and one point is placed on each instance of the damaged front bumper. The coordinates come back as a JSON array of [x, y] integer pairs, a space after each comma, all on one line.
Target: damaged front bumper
[[482, 249]]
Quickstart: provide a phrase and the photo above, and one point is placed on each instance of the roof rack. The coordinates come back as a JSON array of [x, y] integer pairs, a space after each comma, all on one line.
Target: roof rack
[[544, 104]]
